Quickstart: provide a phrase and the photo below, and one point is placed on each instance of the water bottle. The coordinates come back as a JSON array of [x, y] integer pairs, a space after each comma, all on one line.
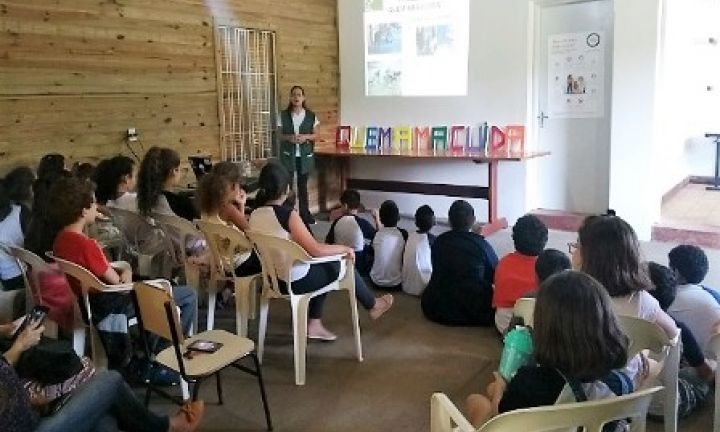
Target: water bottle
[[517, 352]]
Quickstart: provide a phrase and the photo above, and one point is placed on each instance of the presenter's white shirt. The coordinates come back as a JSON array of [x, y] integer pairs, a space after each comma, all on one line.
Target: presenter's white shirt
[[417, 266], [389, 245], [698, 310], [297, 119]]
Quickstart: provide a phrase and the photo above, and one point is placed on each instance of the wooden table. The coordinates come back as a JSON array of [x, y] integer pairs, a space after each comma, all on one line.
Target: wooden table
[[489, 192]]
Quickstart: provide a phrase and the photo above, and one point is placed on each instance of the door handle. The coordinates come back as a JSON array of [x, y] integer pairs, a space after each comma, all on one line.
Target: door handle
[[542, 117]]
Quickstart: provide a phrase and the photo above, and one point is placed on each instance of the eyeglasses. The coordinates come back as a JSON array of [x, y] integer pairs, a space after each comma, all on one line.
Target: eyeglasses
[[572, 246]]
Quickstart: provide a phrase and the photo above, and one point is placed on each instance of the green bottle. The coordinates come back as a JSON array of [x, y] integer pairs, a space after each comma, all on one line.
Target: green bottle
[[517, 352]]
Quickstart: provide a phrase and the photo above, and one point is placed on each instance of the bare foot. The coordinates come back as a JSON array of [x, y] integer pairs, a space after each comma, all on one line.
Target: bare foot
[[188, 418], [317, 331], [382, 305]]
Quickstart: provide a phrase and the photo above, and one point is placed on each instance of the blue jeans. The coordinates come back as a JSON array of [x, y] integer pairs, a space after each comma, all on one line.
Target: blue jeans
[[186, 299], [104, 403]]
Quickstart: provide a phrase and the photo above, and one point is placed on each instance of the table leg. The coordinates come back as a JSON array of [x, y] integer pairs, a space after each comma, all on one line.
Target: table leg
[[716, 180], [495, 223]]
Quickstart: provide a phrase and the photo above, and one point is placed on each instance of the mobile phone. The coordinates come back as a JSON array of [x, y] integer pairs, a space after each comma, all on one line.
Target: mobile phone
[[205, 346], [37, 314]]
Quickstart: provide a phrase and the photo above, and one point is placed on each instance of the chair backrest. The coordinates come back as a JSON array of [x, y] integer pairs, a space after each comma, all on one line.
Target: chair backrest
[[525, 309], [277, 255], [32, 266], [154, 302], [225, 244], [644, 335], [592, 415], [180, 231], [141, 234]]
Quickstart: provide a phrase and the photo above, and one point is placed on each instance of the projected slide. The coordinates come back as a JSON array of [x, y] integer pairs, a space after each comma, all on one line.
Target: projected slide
[[416, 47]]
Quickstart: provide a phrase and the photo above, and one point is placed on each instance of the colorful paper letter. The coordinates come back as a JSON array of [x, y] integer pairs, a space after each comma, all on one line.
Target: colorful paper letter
[[372, 137], [439, 137], [421, 138], [342, 136], [402, 137], [385, 135]]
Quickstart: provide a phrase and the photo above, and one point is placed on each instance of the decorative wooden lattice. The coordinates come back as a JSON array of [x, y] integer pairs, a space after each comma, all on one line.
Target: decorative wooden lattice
[[247, 88]]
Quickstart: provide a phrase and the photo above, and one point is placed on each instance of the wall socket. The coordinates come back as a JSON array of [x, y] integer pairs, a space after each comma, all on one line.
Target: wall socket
[[132, 135]]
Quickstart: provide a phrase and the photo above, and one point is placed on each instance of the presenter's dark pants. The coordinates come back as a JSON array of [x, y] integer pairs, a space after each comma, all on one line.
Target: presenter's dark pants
[[302, 192]]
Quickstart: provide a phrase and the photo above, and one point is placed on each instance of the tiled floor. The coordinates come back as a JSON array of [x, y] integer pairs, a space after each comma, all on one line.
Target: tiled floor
[[693, 205]]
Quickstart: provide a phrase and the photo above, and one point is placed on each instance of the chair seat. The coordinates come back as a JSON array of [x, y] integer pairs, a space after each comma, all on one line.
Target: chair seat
[[203, 364]]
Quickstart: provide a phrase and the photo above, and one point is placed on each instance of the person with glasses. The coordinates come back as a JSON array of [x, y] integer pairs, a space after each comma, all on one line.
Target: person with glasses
[[608, 249]]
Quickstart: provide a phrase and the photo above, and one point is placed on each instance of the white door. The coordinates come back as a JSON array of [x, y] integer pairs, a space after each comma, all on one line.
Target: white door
[[572, 78]]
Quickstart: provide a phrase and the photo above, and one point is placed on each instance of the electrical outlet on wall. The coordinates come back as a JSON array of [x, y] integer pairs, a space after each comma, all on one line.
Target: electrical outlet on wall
[[132, 135]]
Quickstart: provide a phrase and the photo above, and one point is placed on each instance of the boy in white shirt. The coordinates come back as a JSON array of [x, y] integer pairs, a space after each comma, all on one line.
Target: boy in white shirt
[[693, 305], [417, 266], [353, 231], [388, 246]]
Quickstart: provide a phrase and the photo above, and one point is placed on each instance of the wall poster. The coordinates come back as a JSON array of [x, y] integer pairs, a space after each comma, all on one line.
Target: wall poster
[[576, 80]]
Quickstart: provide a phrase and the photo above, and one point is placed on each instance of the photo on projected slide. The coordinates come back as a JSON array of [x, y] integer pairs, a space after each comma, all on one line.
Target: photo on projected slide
[[384, 78], [416, 47], [431, 40], [384, 38]]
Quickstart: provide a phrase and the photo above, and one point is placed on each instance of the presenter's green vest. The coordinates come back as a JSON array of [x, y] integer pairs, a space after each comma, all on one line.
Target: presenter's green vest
[[287, 148]]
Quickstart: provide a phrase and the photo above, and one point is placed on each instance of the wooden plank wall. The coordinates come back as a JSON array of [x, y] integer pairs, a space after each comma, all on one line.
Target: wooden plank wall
[[75, 74]]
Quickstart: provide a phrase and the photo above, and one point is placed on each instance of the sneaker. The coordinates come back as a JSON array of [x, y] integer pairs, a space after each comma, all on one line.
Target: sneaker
[[188, 418]]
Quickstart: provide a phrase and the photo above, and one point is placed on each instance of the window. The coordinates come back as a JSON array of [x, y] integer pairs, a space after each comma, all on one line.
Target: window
[[247, 89]]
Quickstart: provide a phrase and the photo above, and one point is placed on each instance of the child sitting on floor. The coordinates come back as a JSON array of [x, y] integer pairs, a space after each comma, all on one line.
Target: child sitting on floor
[[693, 381], [549, 262], [417, 266], [353, 231], [694, 305], [463, 262], [388, 247], [577, 341], [515, 273]]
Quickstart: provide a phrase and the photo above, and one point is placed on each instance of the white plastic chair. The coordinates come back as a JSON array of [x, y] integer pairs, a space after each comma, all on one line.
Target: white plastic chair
[[525, 309], [32, 267], [91, 285], [714, 346], [225, 244], [181, 231], [645, 335], [277, 255], [146, 242], [591, 415]]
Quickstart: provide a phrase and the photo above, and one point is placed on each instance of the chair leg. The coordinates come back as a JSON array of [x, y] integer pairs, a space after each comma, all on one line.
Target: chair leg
[[262, 326], [252, 296], [184, 390], [356, 324], [242, 305], [212, 297], [79, 340], [218, 383], [196, 389], [266, 407], [147, 395], [299, 306]]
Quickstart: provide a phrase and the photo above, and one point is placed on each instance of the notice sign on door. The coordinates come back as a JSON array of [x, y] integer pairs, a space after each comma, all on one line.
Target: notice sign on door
[[576, 75]]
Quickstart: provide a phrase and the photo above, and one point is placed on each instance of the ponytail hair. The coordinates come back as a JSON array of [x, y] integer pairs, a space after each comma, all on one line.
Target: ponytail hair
[[108, 175], [155, 168], [273, 183]]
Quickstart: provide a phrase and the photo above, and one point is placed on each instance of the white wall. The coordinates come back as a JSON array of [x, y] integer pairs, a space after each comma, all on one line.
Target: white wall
[[688, 110], [497, 92], [633, 193]]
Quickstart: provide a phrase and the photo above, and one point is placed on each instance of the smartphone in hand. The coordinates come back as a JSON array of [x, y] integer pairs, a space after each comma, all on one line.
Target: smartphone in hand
[[36, 315]]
